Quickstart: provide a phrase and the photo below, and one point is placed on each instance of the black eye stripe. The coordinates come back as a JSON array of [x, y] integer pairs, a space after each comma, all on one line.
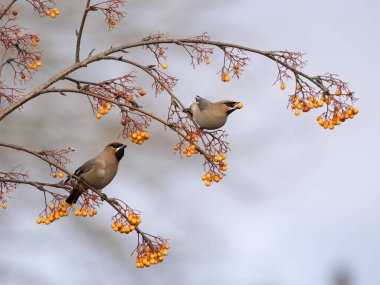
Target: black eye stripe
[[116, 145], [230, 104]]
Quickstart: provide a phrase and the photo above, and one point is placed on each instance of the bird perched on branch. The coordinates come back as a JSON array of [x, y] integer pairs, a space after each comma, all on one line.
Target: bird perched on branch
[[209, 115], [97, 172]]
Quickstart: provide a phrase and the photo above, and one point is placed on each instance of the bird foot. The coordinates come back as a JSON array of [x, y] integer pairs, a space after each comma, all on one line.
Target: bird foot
[[103, 197]]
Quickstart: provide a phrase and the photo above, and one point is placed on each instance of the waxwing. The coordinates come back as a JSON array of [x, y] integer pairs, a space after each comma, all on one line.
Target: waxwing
[[97, 172], [209, 115]]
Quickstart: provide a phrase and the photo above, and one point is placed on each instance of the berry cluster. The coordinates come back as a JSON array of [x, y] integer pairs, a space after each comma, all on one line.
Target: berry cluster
[[52, 13], [104, 109], [190, 150], [146, 256], [55, 214], [337, 111], [214, 177], [209, 178], [339, 116], [125, 228], [85, 212], [305, 105], [221, 163], [139, 137], [192, 137]]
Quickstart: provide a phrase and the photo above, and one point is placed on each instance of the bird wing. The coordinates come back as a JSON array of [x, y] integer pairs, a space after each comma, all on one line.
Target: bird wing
[[87, 166], [202, 103]]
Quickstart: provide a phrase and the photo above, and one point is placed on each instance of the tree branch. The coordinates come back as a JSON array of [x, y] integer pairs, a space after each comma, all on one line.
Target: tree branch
[[104, 54], [151, 115], [7, 8], [110, 201], [80, 32]]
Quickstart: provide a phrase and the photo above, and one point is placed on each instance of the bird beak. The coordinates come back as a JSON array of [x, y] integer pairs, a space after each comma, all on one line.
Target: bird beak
[[236, 106]]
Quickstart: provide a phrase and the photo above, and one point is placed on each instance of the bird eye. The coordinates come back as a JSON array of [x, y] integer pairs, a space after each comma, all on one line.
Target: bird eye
[[230, 104]]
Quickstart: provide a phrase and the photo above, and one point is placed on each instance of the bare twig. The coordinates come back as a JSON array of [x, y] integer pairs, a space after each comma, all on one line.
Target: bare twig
[[7, 8], [80, 32]]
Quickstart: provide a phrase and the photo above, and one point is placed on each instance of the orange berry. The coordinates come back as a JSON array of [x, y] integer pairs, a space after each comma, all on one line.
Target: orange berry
[[338, 92], [207, 183], [22, 76], [103, 111], [207, 61], [98, 116], [47, 12], [298, 87], [225, 77], [55, 11], [297, 112], [142, 92], [161, 53], [239, 105], [61, 175], [54, 174], [164, 66], [52, 15], [108, 107], [4, 205], [282, 86], [113, 22], [20, 36], [236, 71], [14, 12]]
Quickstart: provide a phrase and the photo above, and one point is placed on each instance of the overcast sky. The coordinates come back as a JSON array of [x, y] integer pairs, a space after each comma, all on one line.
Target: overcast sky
[[299, 202]]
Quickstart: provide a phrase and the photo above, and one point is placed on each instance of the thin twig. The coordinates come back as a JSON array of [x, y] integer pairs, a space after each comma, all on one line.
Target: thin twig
[[7, 8], [80, 32]]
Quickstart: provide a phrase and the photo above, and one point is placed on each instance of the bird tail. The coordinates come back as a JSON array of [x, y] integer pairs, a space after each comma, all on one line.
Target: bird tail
[[74, 196]]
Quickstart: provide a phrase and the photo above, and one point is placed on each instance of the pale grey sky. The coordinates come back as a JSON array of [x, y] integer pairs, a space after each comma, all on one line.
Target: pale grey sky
[[298, 203]]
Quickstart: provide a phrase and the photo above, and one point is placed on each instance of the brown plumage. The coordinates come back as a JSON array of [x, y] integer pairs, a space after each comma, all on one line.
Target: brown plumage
[[97, 172], [209, 115]]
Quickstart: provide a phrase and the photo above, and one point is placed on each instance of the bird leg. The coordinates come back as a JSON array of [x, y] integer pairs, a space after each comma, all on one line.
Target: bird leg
[[103, 196]]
